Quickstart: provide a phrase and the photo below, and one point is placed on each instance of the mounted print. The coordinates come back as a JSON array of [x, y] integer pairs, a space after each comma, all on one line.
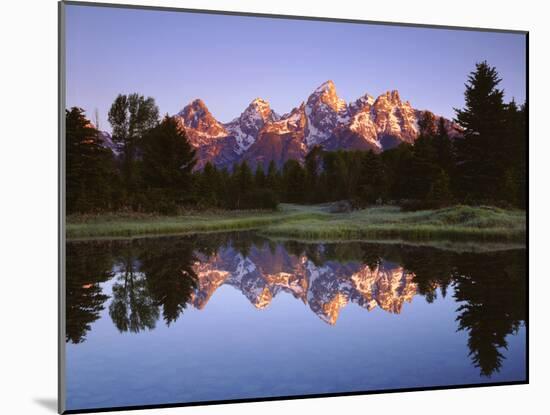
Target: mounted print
[[258, 207]]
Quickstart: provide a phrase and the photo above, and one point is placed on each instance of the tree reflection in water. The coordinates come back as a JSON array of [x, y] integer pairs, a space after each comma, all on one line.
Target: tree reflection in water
[[170, 276], [132, 309], [157, 277], [87, 266]]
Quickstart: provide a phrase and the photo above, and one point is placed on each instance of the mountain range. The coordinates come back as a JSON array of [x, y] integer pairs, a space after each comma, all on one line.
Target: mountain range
[[260, 135]]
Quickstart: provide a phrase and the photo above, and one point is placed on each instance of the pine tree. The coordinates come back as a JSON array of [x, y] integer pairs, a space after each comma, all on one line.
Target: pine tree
[[168, 160], [208, 192], [90, 166], [479, 153], [293, 181], [273, 178], [427, 124], [313, 166], [262, 197], [443, 146], [372, 184], [424, 167], [440, 191], [244, 183], [259, 176], [513, 163], [335, 176]]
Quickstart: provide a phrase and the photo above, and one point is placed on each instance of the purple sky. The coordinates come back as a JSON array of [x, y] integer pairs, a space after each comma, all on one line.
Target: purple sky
[[230, 60]]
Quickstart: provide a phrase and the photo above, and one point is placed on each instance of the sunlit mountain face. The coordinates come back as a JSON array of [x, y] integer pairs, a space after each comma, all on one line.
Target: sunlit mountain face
[[260, 135], [140, 285]]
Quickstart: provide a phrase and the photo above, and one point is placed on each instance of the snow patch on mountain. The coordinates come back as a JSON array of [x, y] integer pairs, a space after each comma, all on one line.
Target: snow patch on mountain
[[259, 135], [247, 126]]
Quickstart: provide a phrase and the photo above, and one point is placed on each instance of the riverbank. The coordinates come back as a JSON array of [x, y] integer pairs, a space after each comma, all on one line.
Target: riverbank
[[317, 222]]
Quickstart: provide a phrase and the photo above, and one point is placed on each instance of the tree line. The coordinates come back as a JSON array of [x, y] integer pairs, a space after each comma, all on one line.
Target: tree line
[[153, 165]]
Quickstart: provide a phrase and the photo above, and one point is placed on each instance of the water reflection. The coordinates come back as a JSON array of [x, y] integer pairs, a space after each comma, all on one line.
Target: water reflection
[[159, 278], [88, 265], [133, 307]]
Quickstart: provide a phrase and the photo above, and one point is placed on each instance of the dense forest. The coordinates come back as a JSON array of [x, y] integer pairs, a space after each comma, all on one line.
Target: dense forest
[[153, 170]]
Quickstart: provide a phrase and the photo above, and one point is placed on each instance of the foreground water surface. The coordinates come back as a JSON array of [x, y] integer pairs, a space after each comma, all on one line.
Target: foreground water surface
[[230, 316]]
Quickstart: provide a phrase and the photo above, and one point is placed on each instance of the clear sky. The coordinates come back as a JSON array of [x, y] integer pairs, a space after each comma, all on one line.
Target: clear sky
[[229, 60]]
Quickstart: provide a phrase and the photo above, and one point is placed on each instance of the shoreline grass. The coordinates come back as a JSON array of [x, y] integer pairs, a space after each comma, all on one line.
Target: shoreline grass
[[316, 222]]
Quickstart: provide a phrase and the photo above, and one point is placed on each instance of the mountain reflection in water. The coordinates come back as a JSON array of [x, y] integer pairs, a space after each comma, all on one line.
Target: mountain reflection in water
[[159, 278]]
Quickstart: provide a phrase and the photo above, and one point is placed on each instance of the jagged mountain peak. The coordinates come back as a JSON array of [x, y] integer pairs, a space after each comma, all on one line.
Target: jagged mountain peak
[[391, 97], [326, 94], [259, 135], [198, 103], [324, 111], [360, 103], [259, 103], [246, 127], [259, 107], [292, 121], [200, 125], [326, 86], [194, 113]]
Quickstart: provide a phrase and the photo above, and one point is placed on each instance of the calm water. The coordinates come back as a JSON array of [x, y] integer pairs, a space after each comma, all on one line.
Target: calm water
[[183, 319]]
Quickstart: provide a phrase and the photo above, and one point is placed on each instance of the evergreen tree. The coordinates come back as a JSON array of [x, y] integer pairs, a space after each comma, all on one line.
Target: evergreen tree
[[90, 172], [443, 147], [372, 184], [397, 162], [313, 167], [440, 191], [259, 177], [427, 125], [273, 178], [479, 153], [168, 160], [208, 192], [293, 181], [424, 167], [243, 185], [513, 162], [224, 183], [335, 176]]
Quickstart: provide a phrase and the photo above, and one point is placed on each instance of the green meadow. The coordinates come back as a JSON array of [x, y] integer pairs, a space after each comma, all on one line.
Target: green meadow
[[317, 223]]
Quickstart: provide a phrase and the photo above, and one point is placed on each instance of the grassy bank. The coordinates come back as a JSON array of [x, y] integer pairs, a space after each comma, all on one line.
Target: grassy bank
[[124, 225], [455, 223], [318, 223]]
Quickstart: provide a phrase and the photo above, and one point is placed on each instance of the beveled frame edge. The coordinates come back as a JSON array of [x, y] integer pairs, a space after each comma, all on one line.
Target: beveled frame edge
[[61, 384]]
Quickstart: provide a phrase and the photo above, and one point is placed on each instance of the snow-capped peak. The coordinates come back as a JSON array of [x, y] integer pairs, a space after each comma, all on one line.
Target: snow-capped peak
[[259, 134], [326, 94], [246, 127], [324, 111]]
